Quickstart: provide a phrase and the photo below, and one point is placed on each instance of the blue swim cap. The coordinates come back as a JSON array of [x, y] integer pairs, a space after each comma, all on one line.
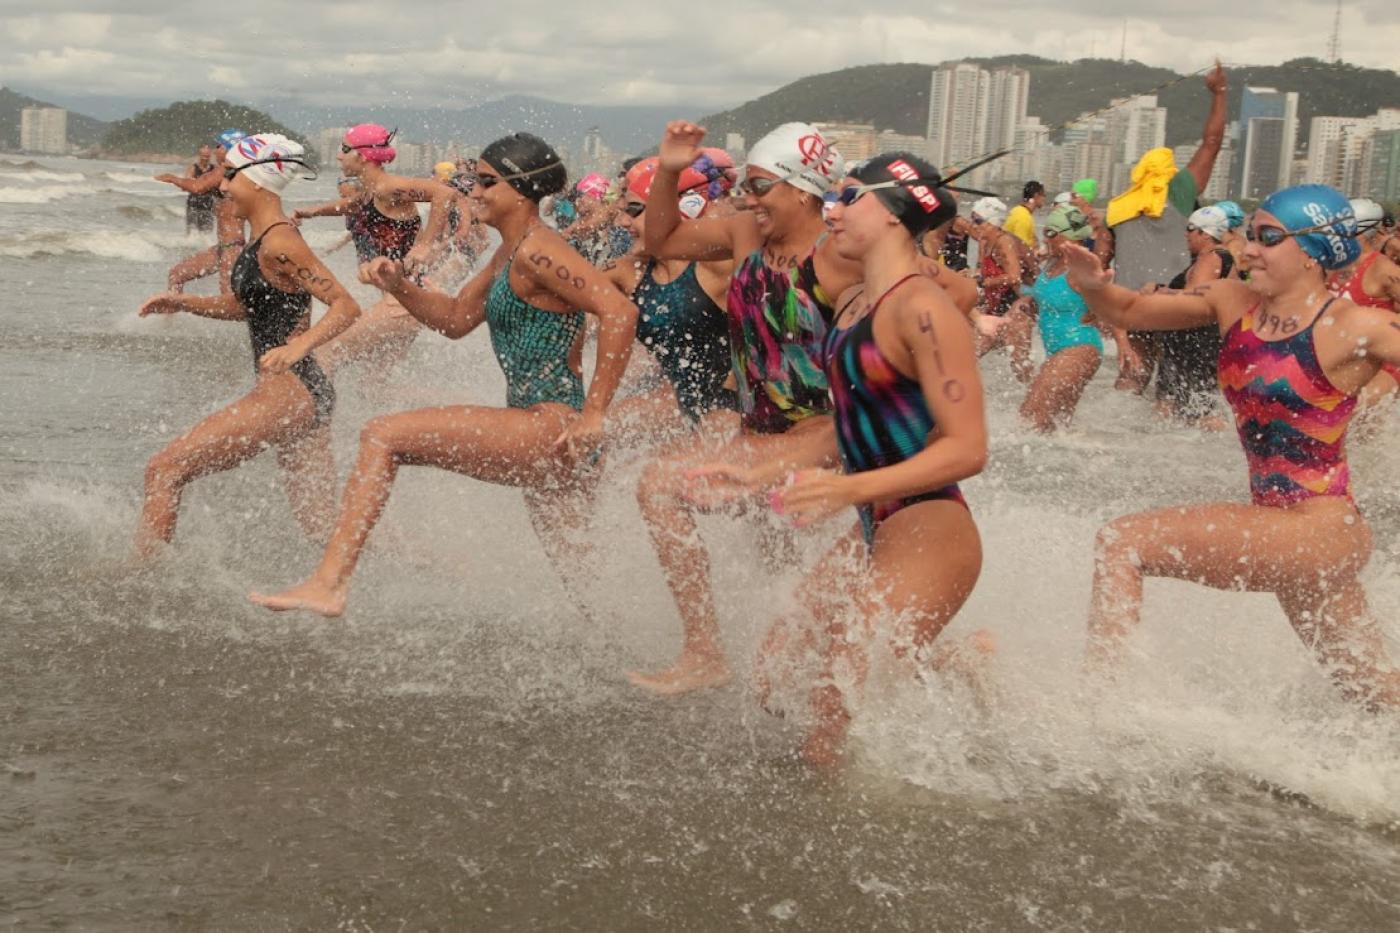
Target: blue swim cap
[[227, 138], [1233, 212], [1304, 206]]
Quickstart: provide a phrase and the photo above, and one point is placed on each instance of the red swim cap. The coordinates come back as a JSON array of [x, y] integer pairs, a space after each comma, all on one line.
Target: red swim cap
[[711, 176]]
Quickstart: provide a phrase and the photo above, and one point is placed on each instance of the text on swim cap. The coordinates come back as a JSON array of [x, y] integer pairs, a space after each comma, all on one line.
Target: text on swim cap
[[923, 194]]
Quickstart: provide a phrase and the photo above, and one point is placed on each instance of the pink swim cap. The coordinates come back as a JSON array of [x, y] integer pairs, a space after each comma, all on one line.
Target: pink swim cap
[[593, 185], [371, 141]]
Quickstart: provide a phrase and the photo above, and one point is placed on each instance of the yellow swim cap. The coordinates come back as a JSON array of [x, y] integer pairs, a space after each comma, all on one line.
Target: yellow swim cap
[[445, 170]]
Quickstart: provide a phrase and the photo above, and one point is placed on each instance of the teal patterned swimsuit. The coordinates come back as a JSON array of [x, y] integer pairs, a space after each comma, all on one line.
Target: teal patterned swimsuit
[[532, 347]]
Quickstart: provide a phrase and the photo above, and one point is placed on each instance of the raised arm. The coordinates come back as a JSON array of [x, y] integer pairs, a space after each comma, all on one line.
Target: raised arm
[[336, 208], [204, 184], [222, 307], [295, 266], [439, 198], [454, 318], [1122, 307], [668, 235], [1213, 133]]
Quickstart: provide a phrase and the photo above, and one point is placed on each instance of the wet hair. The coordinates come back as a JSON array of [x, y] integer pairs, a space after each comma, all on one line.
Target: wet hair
[[628, 165], [1032, 189], [529, 165], [919, 207]]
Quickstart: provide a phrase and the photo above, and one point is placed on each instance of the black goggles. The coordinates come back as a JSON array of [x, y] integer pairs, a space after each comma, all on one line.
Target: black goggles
[[230, 172], [347, 148]]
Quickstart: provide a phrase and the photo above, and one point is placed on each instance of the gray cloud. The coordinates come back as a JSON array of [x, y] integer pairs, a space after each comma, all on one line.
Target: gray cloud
[[705, 54]]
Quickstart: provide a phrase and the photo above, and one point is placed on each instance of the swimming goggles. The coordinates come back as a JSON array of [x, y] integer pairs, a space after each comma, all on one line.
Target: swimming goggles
[[634, 208], [759, 187], [852, 193], [231, 171], [347, 148], [1269, 235], [489, 181]]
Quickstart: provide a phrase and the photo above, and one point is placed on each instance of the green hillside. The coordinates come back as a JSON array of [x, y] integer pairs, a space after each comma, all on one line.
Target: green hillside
[[180, 128], [896, 96], [85, 131]]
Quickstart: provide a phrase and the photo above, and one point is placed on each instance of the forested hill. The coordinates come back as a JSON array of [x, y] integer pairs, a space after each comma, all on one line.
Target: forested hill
[[895, 96], [183, 127]]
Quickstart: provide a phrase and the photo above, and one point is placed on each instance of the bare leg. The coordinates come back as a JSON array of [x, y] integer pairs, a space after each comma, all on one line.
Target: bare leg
[[560, 518], [1308, 555], [1135, 366], [308, 469], [670, 519], [508, 446], [1017, 334], [1058, 387], [924, 564], [277, 410]]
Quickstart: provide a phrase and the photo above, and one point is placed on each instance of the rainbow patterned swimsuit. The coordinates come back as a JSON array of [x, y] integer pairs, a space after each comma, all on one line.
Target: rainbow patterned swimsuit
[[777, 322], [1291, 419], [881, 416]]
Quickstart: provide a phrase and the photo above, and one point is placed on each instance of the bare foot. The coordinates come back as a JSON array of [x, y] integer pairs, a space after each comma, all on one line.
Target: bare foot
[[688, 675], [311, 596]]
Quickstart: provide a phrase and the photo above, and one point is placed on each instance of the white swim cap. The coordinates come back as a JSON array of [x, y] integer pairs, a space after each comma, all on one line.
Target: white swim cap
[[1063, 197], [801, 156], [272, 160], [1369, 214], [992, 210], [1212, 221]]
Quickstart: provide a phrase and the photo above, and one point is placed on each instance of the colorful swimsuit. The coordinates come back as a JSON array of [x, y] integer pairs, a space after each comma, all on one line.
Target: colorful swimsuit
[[778, 321], [533, 346], [1291, 419], [881, 416]]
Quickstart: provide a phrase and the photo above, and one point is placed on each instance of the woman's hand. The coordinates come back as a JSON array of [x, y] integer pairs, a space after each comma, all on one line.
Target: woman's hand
[[280, 359], [582, 439], [167, 303], [813, 495], [383, 273], [1083, 270], [680, 145]]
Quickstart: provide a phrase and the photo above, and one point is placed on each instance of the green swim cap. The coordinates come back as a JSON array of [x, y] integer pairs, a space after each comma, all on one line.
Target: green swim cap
[[1069, 222], [1086, 188]]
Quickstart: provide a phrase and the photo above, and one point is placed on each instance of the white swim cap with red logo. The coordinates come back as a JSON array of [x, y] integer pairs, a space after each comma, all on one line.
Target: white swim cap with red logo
[[801, 156]]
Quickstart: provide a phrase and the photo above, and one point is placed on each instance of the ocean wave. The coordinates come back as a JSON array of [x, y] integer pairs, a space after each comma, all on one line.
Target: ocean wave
[[45, 176], [105, 244], [28, 165], [42, 194], [132, 177]]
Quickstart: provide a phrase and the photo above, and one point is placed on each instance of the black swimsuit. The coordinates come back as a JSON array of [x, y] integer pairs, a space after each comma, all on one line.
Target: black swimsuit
[[273, 316]]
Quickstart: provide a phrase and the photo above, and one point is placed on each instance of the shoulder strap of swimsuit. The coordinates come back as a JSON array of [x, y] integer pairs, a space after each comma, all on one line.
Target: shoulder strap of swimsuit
[[280, 223], [1227, 261]]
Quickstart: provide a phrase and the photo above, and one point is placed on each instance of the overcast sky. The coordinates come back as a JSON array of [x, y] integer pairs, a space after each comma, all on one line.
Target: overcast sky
[[704, 52]]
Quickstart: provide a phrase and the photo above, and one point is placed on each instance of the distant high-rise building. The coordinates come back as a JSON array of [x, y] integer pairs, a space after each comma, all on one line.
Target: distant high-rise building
[[1383, 177], [1268, 136], [855, 141], [328, 142], [43, 129], [1133, 126], [958, 109], [1218, 188], [1008, 94], [890, 141]]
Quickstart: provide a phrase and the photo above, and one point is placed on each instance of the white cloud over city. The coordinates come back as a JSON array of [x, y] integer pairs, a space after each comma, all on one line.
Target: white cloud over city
[[704, 54]]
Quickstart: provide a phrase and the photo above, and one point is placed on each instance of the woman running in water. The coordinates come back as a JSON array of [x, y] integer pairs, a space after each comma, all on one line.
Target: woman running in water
[[1073, 349], [1001, 322], [1293, 362], [1373, 281], [1186, 360], [779, 306], [681, 319], [387, 216], [229, 238], [547, 438], [909, 425], [274, 280]]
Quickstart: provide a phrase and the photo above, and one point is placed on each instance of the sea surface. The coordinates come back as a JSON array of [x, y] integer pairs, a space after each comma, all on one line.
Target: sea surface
[[462, 751]]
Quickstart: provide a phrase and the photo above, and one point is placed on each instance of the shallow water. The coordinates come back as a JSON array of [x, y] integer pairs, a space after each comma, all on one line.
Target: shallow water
[[460, 750]]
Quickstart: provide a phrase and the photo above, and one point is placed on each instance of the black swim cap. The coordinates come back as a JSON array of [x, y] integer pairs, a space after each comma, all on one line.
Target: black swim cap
[[919, 207], [1032, 189], [529, 165]]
